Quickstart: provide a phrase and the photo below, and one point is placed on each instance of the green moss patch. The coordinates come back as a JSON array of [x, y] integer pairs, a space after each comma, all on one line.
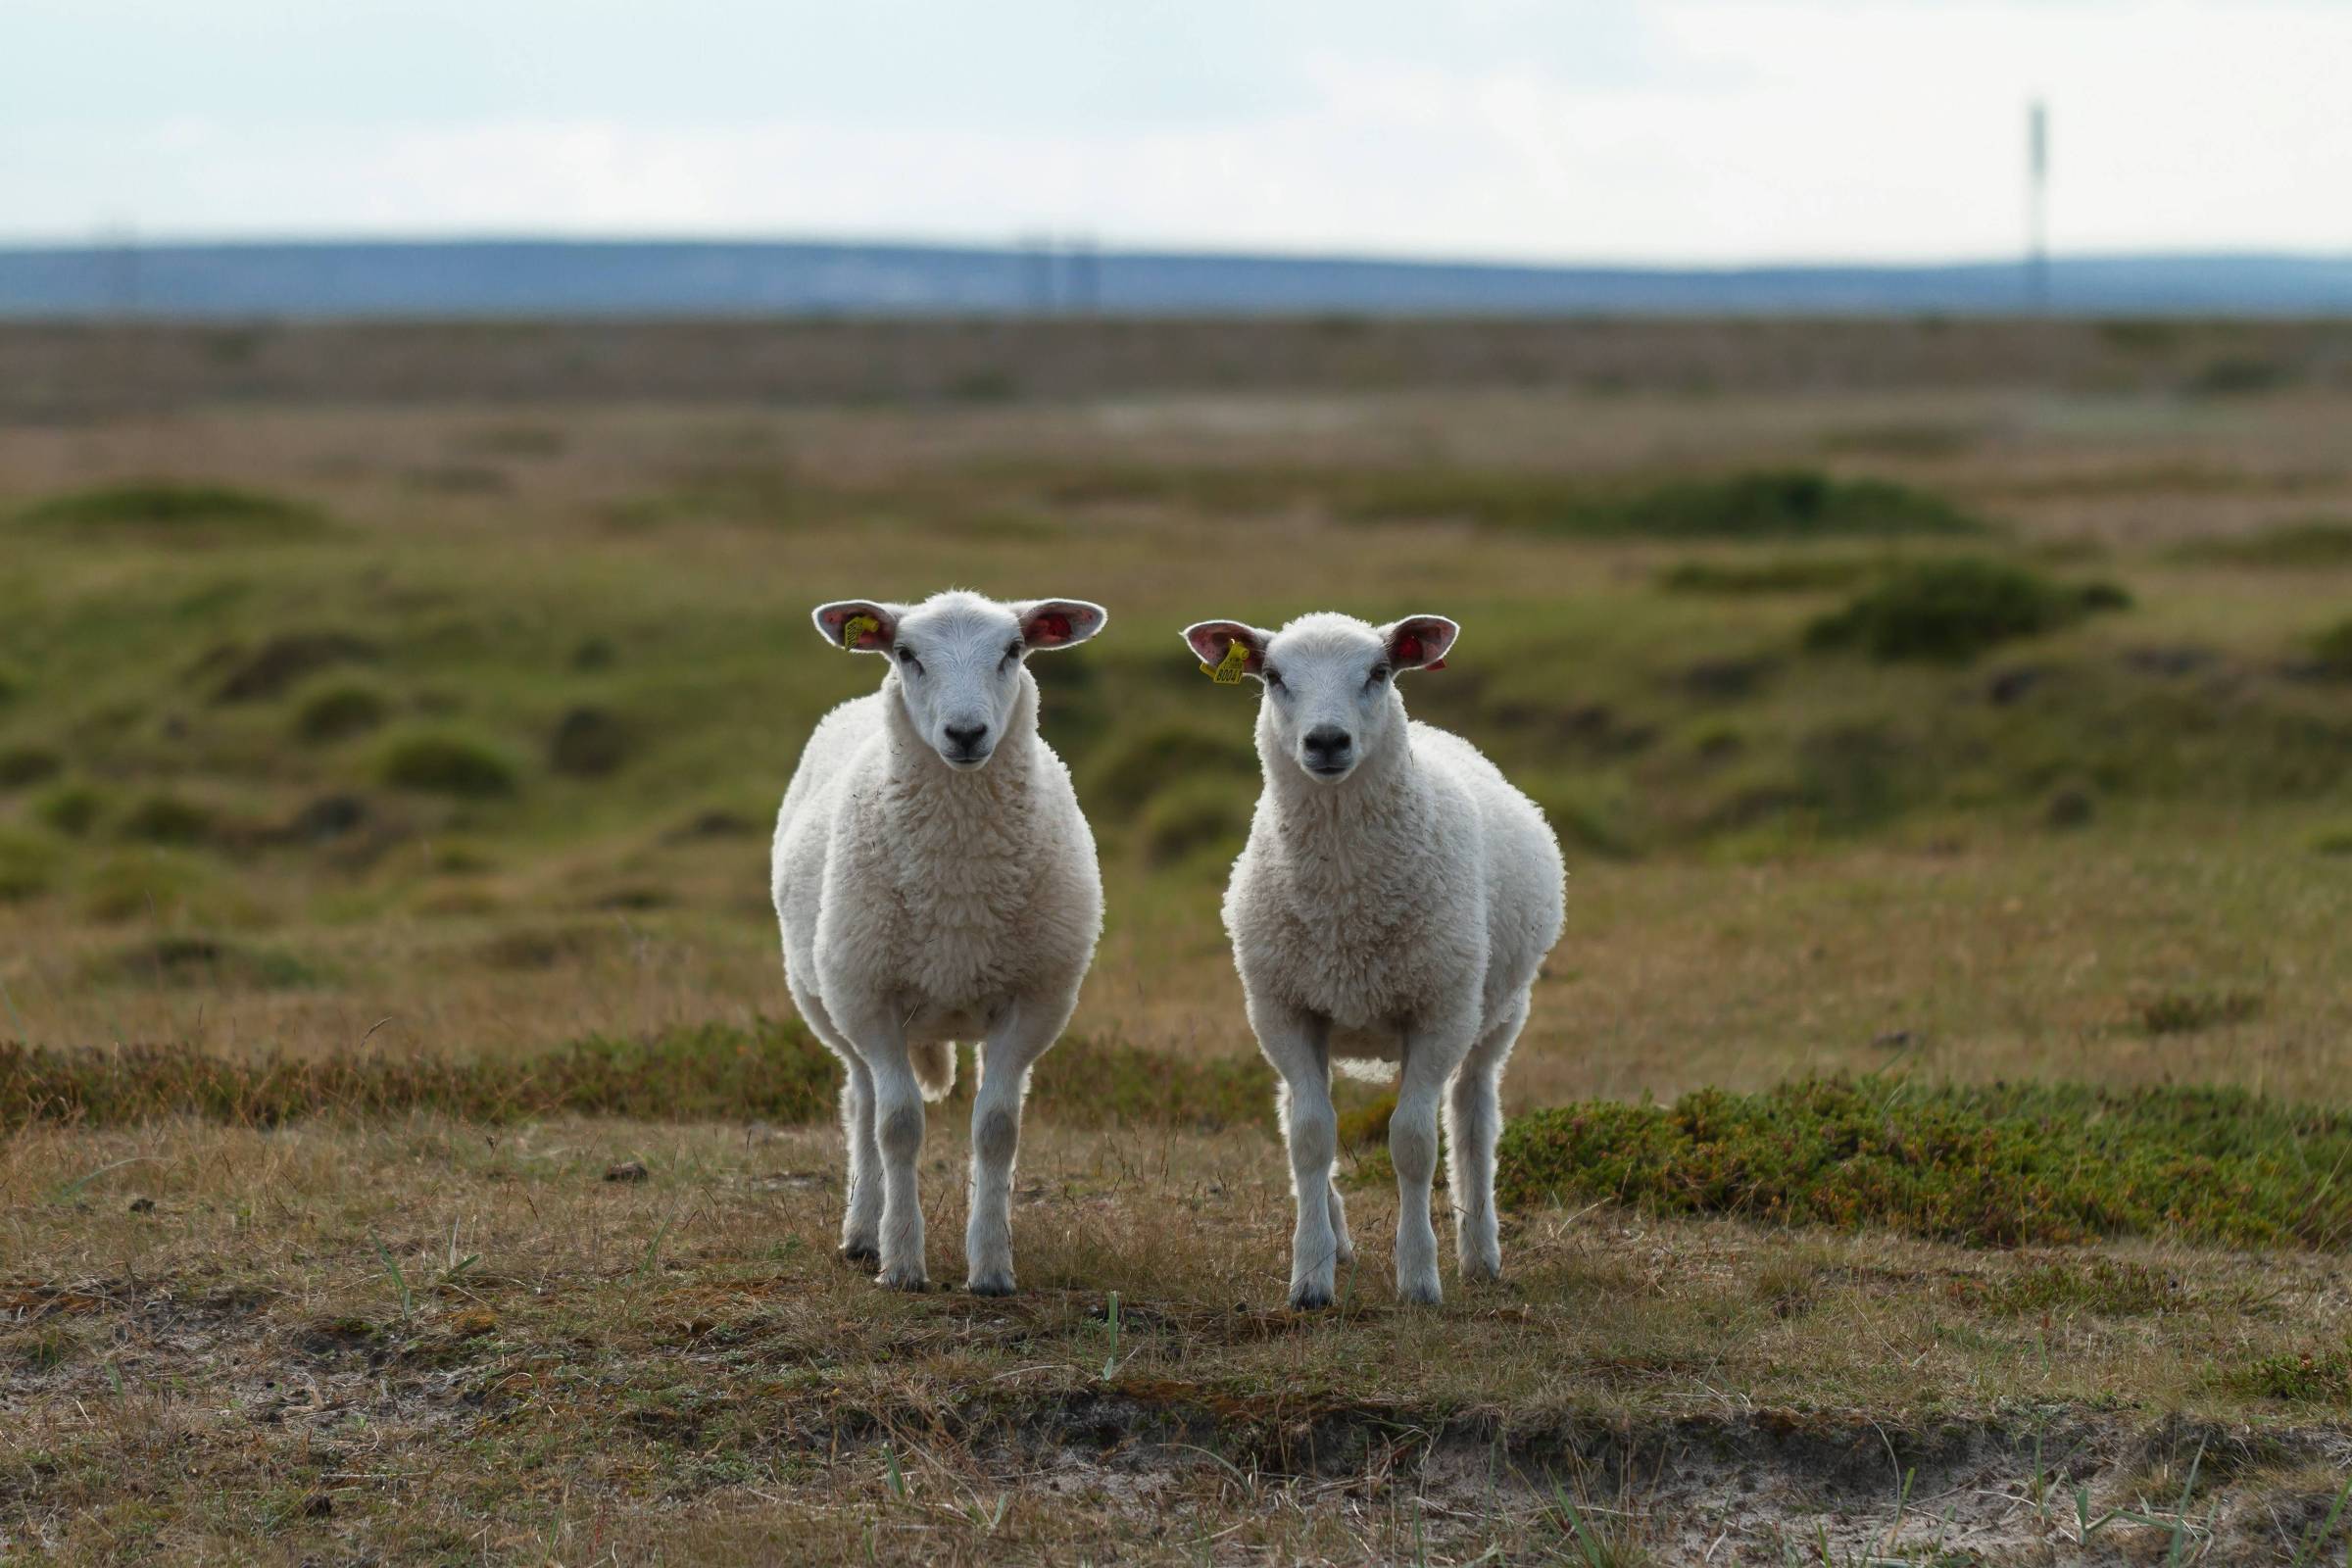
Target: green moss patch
[[167, 510], [1951, 611], [2001, 1165]]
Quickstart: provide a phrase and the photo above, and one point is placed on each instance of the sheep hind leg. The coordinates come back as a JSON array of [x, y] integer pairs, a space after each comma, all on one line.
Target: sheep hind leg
[[1343, 1244], [1473, 1122], [861, 1206]]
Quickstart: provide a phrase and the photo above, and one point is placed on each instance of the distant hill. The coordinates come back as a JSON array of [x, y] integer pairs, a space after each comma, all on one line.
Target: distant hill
[[496, 278]]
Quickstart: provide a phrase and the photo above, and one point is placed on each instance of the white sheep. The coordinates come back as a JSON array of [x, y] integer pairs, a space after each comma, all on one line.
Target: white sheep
[[1394, 902], [935, 881]]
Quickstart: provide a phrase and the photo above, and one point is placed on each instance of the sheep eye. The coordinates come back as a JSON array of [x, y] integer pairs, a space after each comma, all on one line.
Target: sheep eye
[[1380, 673], [1273, 676], [906, 658], [1012, 650]]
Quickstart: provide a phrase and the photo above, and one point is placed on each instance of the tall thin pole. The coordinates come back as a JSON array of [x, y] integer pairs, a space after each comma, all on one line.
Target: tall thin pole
[[2037, 184]]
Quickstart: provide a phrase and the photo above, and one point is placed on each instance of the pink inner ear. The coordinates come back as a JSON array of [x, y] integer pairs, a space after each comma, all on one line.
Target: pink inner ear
[[1409, 650], [1055, 628]]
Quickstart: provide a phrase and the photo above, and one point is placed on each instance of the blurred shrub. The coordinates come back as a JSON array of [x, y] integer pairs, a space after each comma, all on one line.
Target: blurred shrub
[[588, 743], [2185, 1012], [2333, 647], [1771, 504], [1951, 611], [166, 508], [447, 765], [340, 712], [27, 865], [183, 961], [2294, 545], [71, 808], [1793, 575], [21, 765], [285, 660], [1131, 766], [1197, 813], [167, 819]]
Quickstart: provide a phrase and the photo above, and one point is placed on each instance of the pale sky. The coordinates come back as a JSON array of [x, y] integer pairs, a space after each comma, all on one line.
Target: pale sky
[[1707, 131]]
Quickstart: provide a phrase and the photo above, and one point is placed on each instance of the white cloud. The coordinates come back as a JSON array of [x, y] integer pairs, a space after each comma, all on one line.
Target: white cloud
[[1717, 132]]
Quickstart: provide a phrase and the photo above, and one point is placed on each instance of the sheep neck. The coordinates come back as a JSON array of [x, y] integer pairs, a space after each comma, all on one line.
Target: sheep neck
[[1384, 796], [915, 770]]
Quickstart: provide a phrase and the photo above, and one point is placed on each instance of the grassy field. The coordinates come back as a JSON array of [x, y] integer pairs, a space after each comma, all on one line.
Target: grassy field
[[1931, 1142]]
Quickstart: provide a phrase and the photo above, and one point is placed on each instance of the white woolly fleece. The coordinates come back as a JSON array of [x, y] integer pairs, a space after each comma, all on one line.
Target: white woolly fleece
[[1400, 913], [920, 903]]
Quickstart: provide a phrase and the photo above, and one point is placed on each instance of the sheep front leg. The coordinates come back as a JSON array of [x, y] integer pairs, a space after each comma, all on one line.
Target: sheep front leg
[[862, 1221], [899, 1139], [1026, 1033], [1413, 1150], [1297, 1047]]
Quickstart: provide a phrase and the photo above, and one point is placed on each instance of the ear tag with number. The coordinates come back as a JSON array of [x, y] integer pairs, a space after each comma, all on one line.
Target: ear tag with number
[[854, 631], [1229, 669]]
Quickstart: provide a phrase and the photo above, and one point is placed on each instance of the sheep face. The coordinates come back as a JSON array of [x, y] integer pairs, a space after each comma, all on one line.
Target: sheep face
[[957, 659], [1330, 697]]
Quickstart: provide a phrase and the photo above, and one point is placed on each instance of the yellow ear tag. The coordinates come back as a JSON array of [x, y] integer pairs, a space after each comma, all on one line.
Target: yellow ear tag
[[1229, 669], [856, 627]]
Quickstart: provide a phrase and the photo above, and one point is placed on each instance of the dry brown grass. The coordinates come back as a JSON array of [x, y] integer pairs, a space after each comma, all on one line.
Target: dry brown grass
[[676, 1370], [424, 1339]]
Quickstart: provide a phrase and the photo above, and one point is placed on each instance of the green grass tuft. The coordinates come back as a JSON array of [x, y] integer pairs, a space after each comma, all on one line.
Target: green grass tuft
[[2295, 545], [774, 1072], [447, 765], [2333, 647], [163, 510], [27, 867], [167, 819], [339, 711], [2002, 1165], [1791, 575], [2320, 1378], [2185, 1012], [21, 765], [1195, 815], [1769, 504], [1949, 612], [177, 963]]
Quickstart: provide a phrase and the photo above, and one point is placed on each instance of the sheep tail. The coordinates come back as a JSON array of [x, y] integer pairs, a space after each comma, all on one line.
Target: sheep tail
[[934, 1067]]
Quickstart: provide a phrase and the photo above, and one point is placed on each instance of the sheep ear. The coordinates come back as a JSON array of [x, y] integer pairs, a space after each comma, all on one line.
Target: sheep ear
[[1214, 643], [859, 625], [1419, 642], [1059, 623]]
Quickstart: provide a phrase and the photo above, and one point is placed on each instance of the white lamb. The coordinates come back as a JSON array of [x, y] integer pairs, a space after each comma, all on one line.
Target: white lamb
[[935, 881], [1395, 901]]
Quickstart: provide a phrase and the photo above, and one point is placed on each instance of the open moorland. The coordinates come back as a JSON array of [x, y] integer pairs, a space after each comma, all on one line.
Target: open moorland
[[1932, 1142]]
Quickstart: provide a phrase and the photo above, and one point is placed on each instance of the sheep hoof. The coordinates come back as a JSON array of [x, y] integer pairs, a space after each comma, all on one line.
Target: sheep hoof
[[1477, 1271], [991, 1284], [1426, 1293], [859, 1255], [1309, 1297], [911, 1281]]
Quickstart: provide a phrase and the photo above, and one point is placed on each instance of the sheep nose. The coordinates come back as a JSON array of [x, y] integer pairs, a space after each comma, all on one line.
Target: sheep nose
[[1328, 745], [967, 737]]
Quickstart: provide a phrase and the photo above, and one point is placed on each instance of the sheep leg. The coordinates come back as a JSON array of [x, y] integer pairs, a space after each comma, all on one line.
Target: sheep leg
[[1343, 1244], [898, 1135], [1297, 1047], [1026, 1033], [1473, 1121], [1413, 1150], [861, 1219]]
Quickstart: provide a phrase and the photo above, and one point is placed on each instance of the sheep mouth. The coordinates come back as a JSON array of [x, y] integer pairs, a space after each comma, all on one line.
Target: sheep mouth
[[968, 761], [1329, 772]]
